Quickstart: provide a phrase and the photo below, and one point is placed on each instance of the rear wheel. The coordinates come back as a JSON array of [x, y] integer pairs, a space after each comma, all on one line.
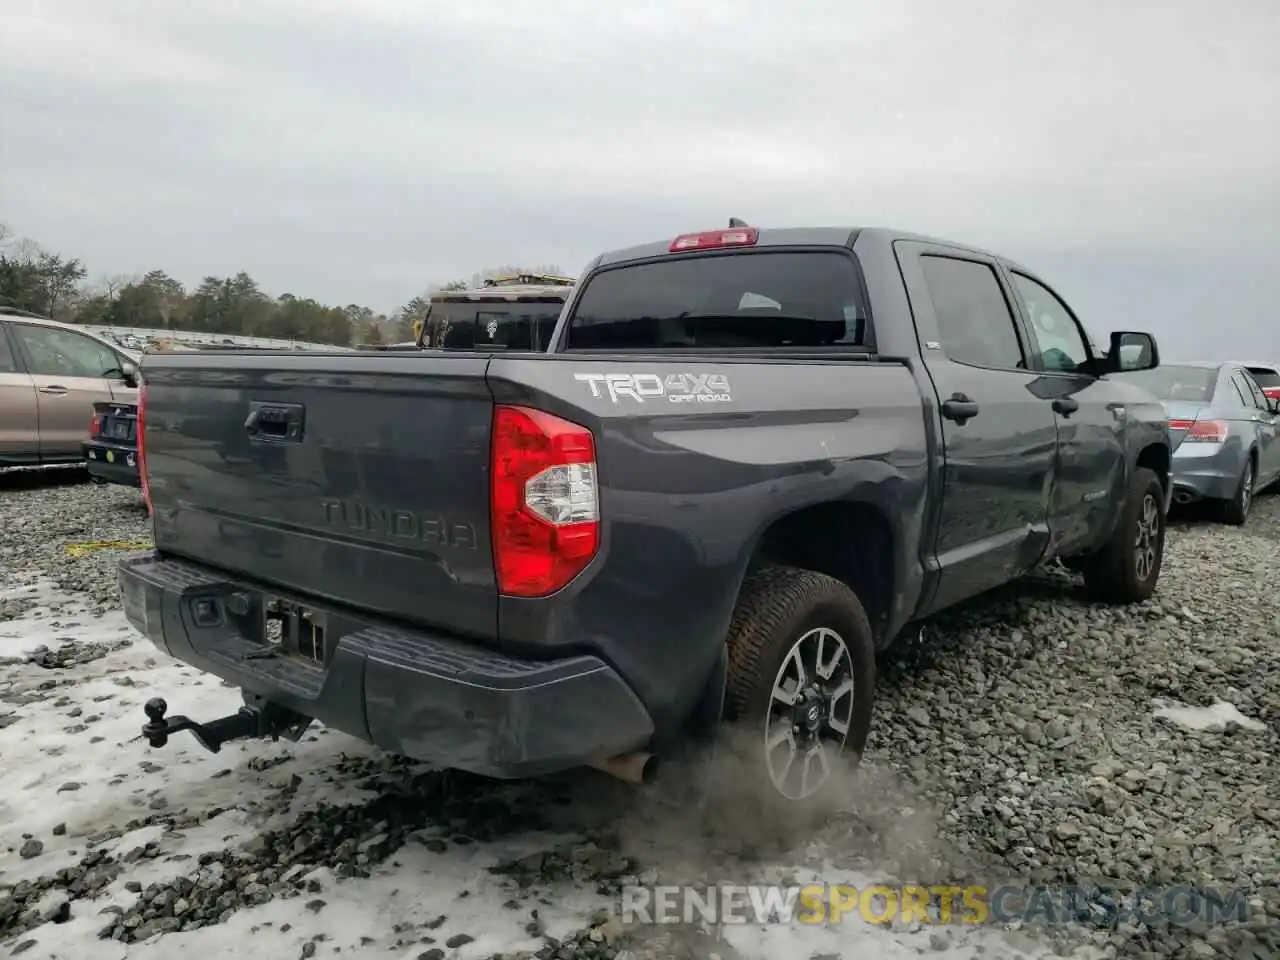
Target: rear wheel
[[1127, 568], [1236, 510], [801, 682]]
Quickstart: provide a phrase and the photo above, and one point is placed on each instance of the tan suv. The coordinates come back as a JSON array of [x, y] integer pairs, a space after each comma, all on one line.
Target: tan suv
[[506, 313], [51, 374]]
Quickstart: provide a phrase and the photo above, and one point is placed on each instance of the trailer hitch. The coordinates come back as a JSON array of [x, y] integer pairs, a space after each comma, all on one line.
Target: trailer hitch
[[250, 721]]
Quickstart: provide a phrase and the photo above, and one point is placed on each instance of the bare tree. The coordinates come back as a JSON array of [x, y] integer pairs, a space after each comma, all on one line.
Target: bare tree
[[111, 286], [25, 250]]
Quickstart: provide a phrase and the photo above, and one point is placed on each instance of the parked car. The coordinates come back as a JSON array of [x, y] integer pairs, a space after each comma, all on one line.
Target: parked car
[[505, 313], [748, 460], [1224, 432], [111, 452], [51, 375]]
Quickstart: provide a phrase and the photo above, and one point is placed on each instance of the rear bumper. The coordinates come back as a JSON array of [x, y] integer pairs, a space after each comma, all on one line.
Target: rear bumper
[[429, 697], [112, 462], [1213, 477], [1191, 488]]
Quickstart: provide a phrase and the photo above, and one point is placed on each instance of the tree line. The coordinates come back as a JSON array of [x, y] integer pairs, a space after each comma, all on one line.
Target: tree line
[[37, 280]]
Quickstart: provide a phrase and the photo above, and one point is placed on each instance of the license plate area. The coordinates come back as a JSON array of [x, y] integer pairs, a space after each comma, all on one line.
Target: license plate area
[[294, 630]]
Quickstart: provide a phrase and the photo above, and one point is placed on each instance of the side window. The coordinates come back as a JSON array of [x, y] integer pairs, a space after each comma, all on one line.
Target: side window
[[974, 320], [8, 362], [1060, 342], [63, 353], [1259, 398], [1242, 391]]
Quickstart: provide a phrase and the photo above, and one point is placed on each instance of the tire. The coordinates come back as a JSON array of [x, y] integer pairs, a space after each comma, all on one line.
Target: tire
[[782, 611], [1236, 510], [1127, 568]]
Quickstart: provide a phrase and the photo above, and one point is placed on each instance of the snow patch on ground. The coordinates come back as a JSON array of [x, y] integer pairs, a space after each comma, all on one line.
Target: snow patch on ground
[[1212, 719]]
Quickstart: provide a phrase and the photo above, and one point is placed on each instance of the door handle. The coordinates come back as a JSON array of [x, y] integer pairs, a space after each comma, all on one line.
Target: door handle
[[282, 422], [1066, 406], [959, 408], [54, 390]]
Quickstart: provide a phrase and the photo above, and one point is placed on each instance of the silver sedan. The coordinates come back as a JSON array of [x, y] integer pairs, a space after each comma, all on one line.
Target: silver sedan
[[1225, 432]]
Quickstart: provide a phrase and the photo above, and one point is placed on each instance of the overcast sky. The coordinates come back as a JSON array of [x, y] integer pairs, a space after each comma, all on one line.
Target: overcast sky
[[359, 150]]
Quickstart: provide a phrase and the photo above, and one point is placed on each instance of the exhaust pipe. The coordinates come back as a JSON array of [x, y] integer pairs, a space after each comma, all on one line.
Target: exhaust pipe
[[1182, 497], [640, 769]]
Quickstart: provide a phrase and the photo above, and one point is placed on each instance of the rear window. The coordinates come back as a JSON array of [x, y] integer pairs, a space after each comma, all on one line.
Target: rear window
[[498, 324], [1265, 376], [757, 300], [1169, 382]]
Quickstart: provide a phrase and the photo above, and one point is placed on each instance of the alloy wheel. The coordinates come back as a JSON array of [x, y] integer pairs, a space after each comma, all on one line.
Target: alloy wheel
[[1148, 538], [810, 712]]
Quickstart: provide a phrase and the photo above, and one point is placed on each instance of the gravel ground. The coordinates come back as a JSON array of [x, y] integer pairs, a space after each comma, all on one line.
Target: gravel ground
[[1019, 739]]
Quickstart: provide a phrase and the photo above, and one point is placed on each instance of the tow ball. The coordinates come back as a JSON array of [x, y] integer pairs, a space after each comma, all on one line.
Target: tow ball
[[253, 720]]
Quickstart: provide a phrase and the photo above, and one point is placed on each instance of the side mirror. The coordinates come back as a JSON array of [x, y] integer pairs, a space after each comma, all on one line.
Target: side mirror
[[1273, 405], [129, 373], [1131, 350]]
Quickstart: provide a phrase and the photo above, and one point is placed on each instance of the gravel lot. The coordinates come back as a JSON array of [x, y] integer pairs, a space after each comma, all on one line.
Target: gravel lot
[[1021, 738]]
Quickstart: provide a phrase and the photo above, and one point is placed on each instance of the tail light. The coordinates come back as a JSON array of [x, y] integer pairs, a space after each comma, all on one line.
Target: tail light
[[1272, 392], [713, 239], [543, 501], [141, 429], [95, 426], [1201, 431]]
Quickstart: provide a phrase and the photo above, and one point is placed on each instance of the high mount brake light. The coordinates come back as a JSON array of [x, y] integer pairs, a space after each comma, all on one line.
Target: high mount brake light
[[713, 239], [141, 429], [543, 501], [1201, 431]]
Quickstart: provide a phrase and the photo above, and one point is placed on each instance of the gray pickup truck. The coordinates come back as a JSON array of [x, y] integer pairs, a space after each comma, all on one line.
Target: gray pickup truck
[[746, 462]]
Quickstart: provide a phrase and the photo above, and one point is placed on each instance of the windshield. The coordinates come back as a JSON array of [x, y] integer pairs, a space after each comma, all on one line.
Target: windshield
[[497, 324], [759, 299], [1170, 382]]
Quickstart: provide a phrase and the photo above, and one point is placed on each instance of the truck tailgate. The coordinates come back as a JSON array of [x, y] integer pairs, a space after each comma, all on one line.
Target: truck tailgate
[[357, 479]]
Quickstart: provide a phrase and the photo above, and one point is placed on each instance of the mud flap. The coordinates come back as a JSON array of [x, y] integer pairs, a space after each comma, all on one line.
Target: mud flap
[[692, 765]]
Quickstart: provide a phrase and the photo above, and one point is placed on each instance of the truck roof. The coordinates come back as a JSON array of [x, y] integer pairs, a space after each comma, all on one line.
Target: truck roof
[[800, 237]]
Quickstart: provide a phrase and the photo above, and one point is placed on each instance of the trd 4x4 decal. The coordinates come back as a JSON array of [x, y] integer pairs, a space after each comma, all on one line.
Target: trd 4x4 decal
[[684, 388]]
